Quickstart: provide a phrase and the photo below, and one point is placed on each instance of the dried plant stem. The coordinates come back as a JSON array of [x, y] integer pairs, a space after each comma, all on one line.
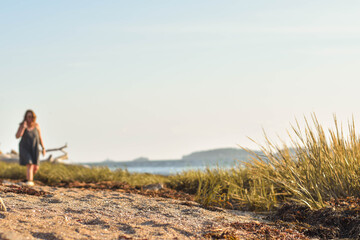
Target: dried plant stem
[[2, 206]]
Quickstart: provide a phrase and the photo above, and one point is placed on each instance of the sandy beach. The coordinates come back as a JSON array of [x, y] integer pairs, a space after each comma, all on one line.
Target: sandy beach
[[45, 212]]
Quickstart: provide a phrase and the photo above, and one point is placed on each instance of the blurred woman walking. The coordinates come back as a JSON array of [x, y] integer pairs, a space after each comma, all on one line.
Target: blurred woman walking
[[29, 131]]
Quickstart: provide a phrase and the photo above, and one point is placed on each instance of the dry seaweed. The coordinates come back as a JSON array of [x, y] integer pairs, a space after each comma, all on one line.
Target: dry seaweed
[[266, 231], [341, 219], [24, 190]]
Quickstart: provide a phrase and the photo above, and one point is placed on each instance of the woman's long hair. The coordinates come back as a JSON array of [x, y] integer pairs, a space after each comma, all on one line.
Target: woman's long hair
[[33, 114]]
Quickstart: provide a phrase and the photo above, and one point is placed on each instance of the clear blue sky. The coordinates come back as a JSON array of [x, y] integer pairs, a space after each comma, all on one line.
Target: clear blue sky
[[160, 79]]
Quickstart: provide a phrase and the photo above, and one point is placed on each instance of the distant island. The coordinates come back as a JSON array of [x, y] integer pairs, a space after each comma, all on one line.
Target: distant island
[[211, 156], [221, 154], [141, 159], [222, 157]]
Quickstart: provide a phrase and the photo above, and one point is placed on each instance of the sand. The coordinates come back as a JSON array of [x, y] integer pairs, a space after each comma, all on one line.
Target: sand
[[73, 213]]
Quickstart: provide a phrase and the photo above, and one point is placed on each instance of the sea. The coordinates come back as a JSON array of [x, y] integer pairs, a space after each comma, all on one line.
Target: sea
[[222, 158], [167, 167]]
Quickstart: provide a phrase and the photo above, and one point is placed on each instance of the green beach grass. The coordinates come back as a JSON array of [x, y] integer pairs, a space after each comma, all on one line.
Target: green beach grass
[[57, 173], [316, 167]]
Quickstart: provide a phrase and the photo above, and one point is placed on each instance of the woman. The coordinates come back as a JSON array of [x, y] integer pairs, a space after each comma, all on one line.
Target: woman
[[30, 134]]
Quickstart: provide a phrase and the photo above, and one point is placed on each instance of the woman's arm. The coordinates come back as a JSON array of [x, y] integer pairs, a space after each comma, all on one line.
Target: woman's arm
[[21, 130], [41, 140]]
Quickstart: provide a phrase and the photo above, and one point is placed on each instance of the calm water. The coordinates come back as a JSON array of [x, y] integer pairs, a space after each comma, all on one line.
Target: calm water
[[168, 167]]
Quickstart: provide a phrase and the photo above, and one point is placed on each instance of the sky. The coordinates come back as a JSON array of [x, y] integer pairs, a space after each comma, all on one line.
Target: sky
[[161, 79]]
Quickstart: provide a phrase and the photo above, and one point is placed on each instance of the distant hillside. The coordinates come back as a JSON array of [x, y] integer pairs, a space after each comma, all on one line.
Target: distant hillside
[[222, 154], [224, 158], [201, 157], [141, 159]]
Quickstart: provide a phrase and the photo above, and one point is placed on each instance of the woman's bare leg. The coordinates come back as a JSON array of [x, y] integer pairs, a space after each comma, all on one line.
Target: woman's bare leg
[[35, 169], [29, 172]]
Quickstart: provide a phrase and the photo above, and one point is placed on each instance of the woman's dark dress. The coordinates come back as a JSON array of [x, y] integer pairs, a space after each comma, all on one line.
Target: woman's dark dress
[[29, 147]]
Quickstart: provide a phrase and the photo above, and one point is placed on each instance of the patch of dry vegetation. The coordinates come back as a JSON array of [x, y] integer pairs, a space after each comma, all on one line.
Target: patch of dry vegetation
[[63, 173], [318, 166]]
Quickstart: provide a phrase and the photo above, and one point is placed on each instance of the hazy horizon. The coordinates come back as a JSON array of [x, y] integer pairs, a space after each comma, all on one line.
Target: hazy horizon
[[169, 159], [160, 79]]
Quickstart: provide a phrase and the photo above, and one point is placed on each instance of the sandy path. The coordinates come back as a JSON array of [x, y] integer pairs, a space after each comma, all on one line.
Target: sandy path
[[70, 213]]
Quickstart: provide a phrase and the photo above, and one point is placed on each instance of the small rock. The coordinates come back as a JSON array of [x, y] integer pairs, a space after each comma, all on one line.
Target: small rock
[[54, 200], [10, 236], [6, 182], [153, 187]]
